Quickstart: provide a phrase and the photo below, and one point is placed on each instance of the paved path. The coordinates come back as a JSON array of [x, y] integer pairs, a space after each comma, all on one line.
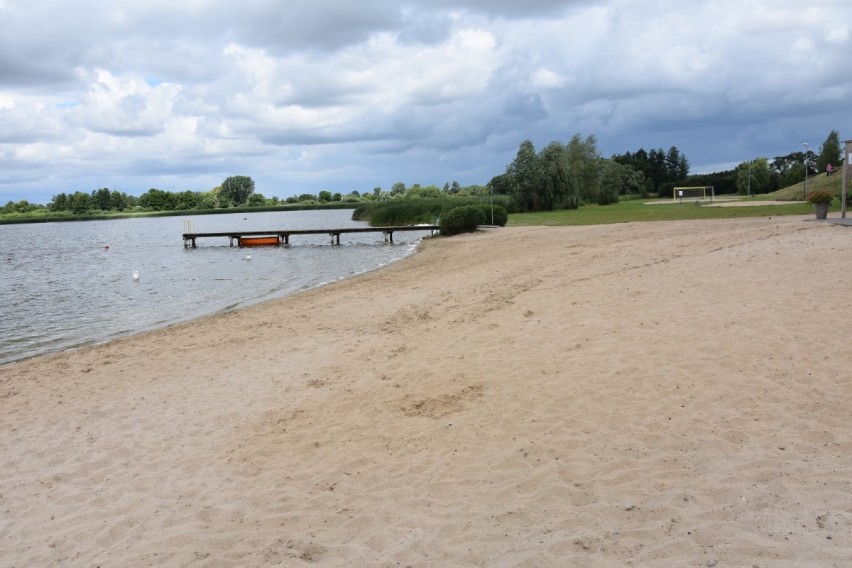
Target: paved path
[[839, 221]]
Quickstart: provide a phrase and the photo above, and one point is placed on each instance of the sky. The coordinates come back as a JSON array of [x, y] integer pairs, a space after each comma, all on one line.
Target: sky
[[340, 96]]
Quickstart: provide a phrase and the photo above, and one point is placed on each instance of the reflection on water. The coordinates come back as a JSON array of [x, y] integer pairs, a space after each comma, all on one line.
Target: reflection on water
[[61, 286]]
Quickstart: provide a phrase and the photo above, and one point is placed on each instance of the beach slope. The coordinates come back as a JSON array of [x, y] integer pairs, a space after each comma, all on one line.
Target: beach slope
[[658, 394]]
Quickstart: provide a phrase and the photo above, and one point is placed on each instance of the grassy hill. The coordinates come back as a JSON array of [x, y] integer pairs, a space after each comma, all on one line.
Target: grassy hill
[[821, 181]]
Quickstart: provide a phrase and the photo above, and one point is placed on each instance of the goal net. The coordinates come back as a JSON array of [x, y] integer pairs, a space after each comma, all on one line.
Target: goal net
[[694, 193]]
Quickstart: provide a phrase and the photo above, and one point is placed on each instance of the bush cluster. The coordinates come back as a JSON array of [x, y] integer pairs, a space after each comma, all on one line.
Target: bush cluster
[[462, 219], [501, 216], [399, 212], [411, 211]]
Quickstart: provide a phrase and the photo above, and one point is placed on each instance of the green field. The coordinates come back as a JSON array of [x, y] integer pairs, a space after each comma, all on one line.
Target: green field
[[637, 210], [647, 210]]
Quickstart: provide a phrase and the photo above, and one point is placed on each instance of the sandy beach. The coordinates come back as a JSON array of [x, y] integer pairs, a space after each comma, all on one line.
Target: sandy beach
[[643, 394]]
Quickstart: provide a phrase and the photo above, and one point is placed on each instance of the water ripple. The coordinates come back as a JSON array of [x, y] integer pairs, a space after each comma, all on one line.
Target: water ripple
[[61, 288]]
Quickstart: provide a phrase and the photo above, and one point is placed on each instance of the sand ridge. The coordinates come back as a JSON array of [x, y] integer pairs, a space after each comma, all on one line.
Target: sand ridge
[[663, 394]]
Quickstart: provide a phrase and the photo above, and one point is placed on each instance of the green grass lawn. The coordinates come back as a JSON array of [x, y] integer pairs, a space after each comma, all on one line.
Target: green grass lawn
[[637, 210], [820, 182]]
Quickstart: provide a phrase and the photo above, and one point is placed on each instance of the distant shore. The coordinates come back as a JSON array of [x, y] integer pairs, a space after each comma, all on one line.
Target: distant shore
[[70, 218], [668, 393]]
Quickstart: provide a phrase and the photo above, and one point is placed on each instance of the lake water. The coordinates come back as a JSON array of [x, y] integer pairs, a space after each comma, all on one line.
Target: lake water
[[60, 287]]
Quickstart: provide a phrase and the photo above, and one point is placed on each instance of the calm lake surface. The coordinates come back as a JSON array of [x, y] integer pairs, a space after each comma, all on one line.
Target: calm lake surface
[[60, 287]]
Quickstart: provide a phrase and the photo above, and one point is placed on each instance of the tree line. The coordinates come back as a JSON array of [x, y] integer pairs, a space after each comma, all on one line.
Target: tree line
[[561, 175], [235, 191], [564, 176], [762, 175]]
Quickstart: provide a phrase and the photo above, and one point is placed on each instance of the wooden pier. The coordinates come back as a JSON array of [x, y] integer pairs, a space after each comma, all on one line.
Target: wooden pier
[[279, 237]]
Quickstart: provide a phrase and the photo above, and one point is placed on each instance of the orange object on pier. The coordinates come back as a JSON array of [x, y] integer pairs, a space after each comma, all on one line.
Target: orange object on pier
[[260, 241]]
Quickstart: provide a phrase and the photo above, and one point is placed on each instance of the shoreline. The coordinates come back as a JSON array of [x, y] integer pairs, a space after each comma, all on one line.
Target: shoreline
[[267, 296], [666, 393]]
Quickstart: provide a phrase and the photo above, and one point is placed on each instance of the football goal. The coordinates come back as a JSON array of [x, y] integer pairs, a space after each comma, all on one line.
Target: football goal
[[694, 193]]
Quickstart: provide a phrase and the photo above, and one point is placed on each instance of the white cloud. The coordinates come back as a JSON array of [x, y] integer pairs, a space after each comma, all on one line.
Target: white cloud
[[838, 34], [348, 96], [125, 106], [544, 78]]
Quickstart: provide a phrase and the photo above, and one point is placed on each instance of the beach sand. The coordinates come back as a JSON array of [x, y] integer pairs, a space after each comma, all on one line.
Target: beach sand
[[643, 394]]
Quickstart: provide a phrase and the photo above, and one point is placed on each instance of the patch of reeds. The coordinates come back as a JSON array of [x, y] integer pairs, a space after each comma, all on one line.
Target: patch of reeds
[[396, 212]]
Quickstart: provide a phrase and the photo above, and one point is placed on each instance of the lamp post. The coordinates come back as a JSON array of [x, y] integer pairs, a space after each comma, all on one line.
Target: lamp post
[[748, 191], [805, 189]]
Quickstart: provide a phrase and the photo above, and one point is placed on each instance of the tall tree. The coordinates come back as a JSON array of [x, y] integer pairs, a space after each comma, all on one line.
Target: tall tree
[[657, 171], [672, 164], [236, 190], [526, 176], [632, 181], [789, 169], [830, 152], [186, 200], [80, 202], [101, 199], [502, 184], [753, 177], [611, 182], [584, 166], [682, 168], [118, 200], [555, 182], [60, 202], [158, 200]]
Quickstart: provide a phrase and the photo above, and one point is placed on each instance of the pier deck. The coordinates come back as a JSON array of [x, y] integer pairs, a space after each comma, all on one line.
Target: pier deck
[[255, 238]]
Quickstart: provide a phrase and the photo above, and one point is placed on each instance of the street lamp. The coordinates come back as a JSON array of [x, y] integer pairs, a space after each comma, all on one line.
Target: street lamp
[[748, 192], [805, 189]]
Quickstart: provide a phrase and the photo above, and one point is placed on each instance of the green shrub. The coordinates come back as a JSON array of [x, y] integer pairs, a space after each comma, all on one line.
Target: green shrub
[[462, 219], [501, 216], [607, 195], [820, 196], [404, 211]]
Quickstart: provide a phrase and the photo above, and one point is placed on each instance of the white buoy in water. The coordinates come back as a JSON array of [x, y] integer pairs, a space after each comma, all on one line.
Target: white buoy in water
[[136, 276], [248, 257]]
